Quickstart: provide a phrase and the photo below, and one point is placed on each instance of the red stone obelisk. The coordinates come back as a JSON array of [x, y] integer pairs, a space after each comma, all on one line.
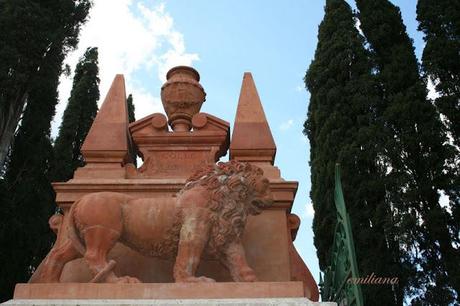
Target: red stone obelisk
[[106, 147]]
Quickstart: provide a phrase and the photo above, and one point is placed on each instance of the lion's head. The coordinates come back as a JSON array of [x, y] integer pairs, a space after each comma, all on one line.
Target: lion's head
[[240, 181], [236, 190]]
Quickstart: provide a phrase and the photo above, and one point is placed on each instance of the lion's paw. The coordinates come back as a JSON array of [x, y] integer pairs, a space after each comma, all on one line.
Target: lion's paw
[[201, 279], [248, 275], [127, 280]]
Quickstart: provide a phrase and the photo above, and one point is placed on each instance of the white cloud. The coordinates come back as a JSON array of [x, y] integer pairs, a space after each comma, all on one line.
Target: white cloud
[[161, 24], [358, 26], [444, 200], [432, 93], [299, 88], [286, 125], [309, 211], [145, 102], [128, 43]]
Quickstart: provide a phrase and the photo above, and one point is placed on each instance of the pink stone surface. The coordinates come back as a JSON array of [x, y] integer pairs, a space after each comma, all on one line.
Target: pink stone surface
[[252, 139], [107, 145], [206, 220], [178, 154], [108, 132], [299, 271], [182, 96], [170, 157], [159, 291]]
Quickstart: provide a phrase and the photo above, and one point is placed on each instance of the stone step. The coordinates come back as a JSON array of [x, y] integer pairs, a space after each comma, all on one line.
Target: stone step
[[173, 302]]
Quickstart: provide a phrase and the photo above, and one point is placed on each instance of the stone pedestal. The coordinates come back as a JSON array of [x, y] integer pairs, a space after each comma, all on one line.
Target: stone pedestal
[[224, 290], [228, 294], [169, 154], [170, 158], [197, 302]]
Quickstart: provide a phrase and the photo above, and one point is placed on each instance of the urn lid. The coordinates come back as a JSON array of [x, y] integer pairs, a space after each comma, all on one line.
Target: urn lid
[[183, 70]]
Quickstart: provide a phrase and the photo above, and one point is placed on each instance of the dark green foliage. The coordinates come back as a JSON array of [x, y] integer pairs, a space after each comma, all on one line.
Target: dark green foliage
[[5, 233], [35, 37], [131, 108], [440, 22], [342, 127], [78, 117], [132, 118], [31, 197], [29, 30], [414, 155]]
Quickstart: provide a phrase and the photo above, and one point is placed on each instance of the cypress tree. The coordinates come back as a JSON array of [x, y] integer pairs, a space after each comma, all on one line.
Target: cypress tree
[[78, 117], [30, 29], [131, 117], [5, 215], [342, 127], [414, 155], [131, 108], [440, 22], [29, 198]]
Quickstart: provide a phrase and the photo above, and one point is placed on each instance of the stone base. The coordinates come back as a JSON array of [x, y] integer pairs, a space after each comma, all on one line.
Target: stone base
[[195, 302], [154, 291]]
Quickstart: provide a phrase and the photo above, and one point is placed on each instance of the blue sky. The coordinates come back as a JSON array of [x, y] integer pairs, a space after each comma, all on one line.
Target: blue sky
[[275, 40]]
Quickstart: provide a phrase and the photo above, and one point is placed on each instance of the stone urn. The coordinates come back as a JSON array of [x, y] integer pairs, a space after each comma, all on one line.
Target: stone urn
[[182, 96]]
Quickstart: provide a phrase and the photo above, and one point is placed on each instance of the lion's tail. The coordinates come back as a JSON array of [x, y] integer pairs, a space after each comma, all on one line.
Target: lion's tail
[[64, 231], [71, 230]]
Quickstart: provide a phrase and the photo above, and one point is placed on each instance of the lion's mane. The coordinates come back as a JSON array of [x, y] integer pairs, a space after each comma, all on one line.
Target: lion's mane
[[231, 186]]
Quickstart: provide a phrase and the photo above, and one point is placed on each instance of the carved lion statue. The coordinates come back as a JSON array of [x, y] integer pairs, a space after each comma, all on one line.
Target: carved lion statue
[[207, 218]]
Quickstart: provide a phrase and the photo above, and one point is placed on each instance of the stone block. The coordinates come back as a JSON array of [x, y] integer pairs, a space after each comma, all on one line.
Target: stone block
[[173, 302], [226, 290]]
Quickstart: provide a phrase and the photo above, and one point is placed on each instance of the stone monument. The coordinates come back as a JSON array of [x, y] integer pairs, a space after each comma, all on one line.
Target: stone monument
[[183, 226]]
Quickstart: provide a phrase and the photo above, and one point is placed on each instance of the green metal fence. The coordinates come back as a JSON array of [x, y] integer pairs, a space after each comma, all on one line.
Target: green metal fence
[[337, 285]]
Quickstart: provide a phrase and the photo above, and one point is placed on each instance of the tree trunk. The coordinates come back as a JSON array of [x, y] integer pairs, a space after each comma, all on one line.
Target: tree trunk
[[11, 120]]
